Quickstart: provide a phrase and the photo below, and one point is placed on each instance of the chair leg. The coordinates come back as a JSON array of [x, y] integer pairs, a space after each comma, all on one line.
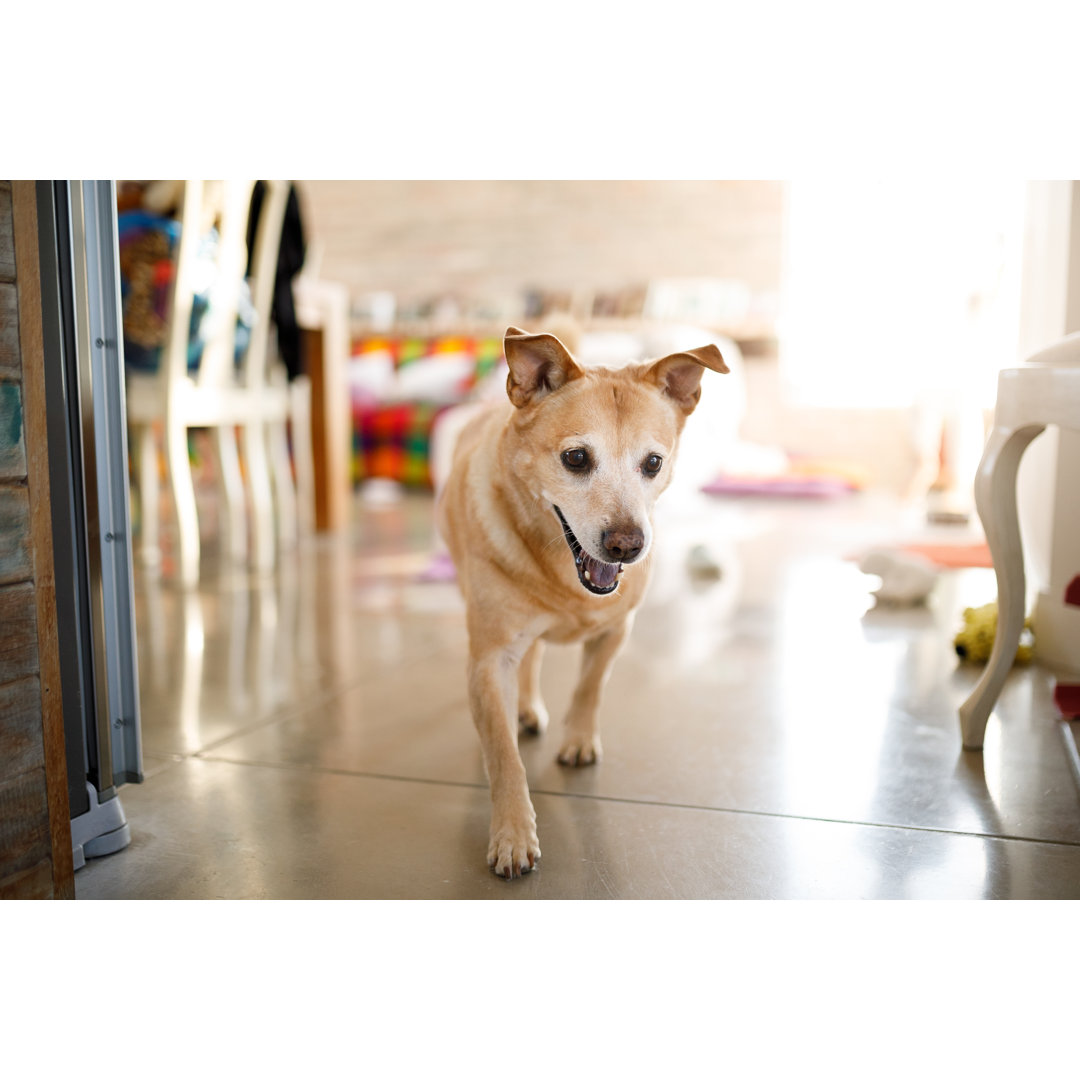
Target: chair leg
[[284, 490], [262, 505], [303, 452], [193, 658], [232, 492], [183, 496], [149, 497], [995, 499]]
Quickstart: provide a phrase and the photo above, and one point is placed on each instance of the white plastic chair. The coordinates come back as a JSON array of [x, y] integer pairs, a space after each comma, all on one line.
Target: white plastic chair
[[219, 396], [1045, 390]]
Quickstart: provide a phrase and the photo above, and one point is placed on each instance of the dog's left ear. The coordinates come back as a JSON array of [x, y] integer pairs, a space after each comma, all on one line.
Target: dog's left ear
[[679, 375]]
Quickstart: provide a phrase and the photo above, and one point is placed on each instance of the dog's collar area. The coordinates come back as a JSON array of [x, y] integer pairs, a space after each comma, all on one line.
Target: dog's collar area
[[598, 577]]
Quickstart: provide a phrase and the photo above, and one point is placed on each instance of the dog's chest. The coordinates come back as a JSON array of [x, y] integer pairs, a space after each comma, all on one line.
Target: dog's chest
[[590, 617], [568, 631]]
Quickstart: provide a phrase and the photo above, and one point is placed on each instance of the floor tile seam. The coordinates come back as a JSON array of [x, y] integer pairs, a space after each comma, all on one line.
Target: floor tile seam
[[286, 766], [162, 763], [392, 667], [326, 699], [266, 721], [824, 820]]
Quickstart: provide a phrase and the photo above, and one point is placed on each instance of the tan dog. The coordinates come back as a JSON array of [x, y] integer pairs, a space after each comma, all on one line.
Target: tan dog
[[547, 514]]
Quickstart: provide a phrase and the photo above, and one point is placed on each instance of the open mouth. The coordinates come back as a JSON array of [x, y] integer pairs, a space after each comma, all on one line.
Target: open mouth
[[597, 576]]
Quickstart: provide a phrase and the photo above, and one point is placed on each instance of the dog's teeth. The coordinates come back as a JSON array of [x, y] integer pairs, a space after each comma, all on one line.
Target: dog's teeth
[[588, 576]]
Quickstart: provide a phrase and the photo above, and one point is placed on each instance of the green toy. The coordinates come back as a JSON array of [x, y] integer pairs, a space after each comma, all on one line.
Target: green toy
[[976, 640]]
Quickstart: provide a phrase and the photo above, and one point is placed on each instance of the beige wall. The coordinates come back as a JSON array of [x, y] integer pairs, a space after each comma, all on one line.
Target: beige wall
[[418, 237]]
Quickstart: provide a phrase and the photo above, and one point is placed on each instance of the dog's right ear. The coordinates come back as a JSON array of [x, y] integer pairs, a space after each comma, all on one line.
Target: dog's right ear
[[539, 365]]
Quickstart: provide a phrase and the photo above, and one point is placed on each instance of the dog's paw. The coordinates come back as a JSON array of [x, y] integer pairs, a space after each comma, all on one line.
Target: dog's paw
[[533, 719], [513, 851], [580, 750]]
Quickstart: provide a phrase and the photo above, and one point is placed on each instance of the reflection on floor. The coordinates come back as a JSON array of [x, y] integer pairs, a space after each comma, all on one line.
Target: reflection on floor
[[767, 735]]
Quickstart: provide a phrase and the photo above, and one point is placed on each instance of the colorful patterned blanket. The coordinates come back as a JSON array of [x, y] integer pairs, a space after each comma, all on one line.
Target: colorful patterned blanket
[[399, 390]]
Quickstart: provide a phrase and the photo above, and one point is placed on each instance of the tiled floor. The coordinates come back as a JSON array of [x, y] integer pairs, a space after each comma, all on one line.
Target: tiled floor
[[769, 735]]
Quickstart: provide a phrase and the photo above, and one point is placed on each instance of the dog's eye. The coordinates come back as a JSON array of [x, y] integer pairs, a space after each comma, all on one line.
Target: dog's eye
[[576, 460], [651, 465]]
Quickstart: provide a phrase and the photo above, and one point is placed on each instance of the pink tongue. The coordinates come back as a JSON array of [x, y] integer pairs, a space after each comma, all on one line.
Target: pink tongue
[[601, 574]]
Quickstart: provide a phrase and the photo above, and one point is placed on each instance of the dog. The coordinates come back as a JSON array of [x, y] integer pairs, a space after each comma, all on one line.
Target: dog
[[547, 514]]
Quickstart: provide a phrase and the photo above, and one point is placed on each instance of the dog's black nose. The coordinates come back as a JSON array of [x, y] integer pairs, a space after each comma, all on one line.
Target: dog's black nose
[[623, 545]]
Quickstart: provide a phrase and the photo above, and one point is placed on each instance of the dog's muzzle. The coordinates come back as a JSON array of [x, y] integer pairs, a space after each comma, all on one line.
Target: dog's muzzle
[[596, 575]]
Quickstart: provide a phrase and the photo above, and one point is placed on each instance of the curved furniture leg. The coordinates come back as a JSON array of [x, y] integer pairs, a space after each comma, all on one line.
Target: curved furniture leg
[[183, 495], [995, 499], [284, 491], [262, 503], [232, 491], [303, 453], [149, 497]]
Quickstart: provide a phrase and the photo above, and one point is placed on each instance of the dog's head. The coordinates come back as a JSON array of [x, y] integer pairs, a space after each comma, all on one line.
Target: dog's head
[[598, 446]]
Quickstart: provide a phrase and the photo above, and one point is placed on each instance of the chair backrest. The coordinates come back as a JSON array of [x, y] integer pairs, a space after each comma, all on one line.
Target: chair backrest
[[218, 328], [263, 276], [217, 365], [173, 368]]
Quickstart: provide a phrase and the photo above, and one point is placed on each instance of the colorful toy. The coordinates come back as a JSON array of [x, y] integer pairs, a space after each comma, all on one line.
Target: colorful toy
[[975, 641]]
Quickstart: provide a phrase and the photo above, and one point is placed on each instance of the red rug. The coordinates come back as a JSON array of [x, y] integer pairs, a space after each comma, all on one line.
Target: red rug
[[952, 556]]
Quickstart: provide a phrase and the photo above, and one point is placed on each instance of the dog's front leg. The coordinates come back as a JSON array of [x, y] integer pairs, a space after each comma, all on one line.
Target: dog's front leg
[[582, 743], [493, 678]]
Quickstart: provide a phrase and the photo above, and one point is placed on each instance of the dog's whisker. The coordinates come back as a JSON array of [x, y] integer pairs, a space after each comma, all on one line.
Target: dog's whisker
[[551, 543]]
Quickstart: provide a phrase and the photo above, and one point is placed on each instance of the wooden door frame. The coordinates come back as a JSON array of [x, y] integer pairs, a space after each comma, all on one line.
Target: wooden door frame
[[31, 348]]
